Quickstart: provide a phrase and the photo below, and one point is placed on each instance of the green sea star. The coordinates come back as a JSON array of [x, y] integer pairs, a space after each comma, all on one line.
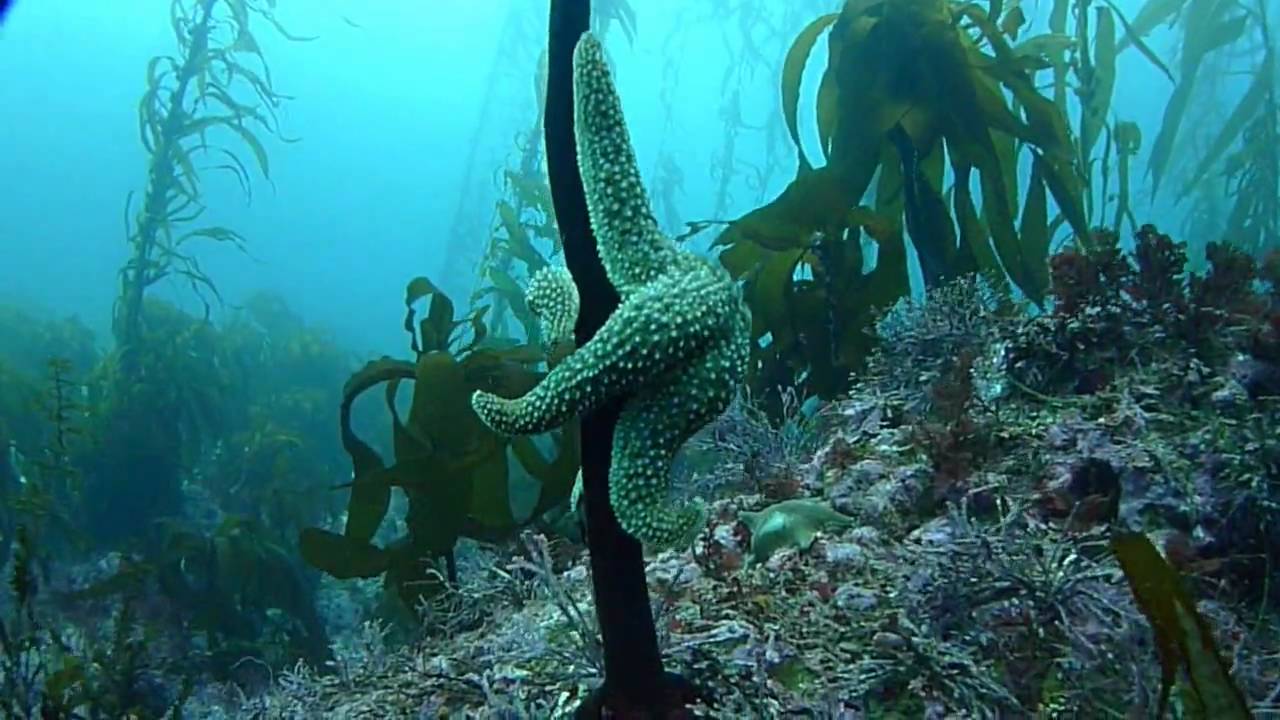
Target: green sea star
[[790, 524], [676, 347]]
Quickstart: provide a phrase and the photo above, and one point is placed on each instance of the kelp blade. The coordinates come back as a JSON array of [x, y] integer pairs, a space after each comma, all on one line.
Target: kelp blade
[[1183, 638]]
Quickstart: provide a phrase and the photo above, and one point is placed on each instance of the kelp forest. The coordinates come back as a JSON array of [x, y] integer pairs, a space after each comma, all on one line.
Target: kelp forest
[[941, 380]]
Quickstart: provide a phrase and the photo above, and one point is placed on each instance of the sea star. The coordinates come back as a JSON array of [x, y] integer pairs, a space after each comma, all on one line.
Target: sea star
[[790, 524], [676, 348]]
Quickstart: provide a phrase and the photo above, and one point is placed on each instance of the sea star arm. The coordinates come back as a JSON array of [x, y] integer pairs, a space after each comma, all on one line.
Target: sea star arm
[[553, 298], [632, 248], [652, 429], [665, 323]]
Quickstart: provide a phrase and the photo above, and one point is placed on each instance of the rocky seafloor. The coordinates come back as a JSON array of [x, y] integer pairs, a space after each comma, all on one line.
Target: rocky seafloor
[[982, 460]]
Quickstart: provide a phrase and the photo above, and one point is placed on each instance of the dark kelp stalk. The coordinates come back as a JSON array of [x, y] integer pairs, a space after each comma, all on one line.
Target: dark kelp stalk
[[634, 677]]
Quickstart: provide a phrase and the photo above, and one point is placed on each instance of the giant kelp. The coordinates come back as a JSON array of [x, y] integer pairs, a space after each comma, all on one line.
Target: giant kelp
[[214, 89], [523, 240], [241, 402], [918, 85], [1087, 40], [135, 467], [454, 471], [195, 100], [754, 34], [276, 454], [523, 236]]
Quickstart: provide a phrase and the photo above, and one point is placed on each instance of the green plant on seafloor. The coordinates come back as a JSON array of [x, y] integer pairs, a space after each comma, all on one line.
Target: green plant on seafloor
[[47, 497], [910, 88], [254, 387], [42, 429], [676, 348], [48, 671], [241, 593], [453, 469]]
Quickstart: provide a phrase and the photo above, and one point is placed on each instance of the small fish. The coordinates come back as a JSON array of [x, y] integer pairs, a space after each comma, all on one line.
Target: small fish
[[15, 461]]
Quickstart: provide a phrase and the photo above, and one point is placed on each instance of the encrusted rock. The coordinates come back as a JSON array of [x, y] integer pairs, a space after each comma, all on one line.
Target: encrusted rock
[[938, 532], [854, 598], [674, 570], [844, 554], [850, 486]]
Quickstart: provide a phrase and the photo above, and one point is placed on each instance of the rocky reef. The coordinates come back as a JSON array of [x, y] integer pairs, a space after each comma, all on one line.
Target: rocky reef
[[964, 492]]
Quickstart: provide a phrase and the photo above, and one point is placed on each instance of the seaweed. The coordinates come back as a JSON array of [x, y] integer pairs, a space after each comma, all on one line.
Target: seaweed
[[523, 234], [1240, 162], [246, 445], [909, 89], [1147, 300], [186, 378], [45, 673], [51, 482], [523, 240], [452, 468], [206, 102], [1184, 640], [905, 83], [188, 111], [1127, 138]]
